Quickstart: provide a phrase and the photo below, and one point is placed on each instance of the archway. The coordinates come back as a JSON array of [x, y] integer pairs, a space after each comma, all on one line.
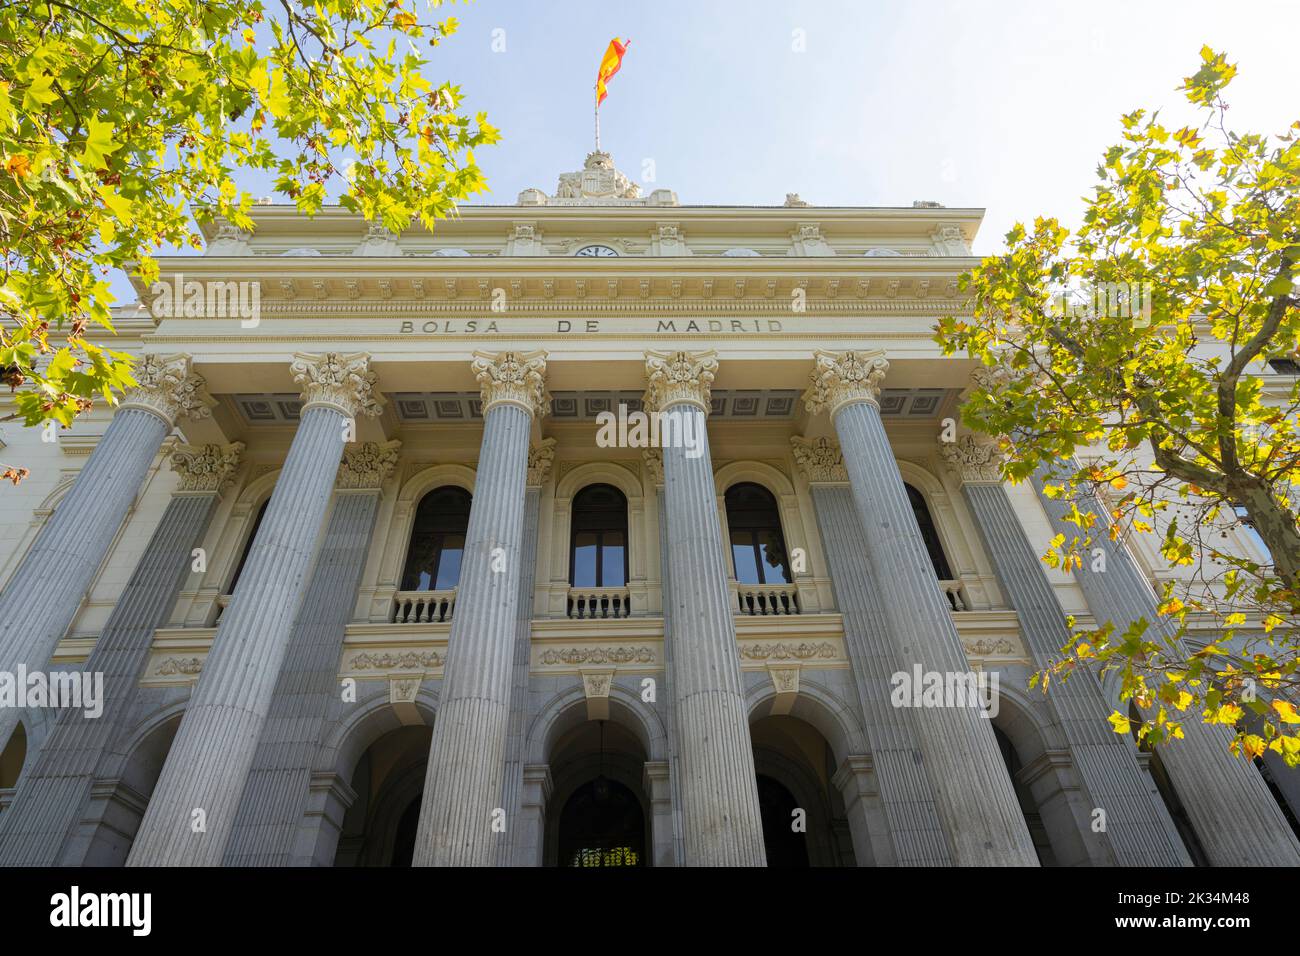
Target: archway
[[379, 827], [598, 813], [120, 812], [1165, 787], [1025, 797], [804, 820]]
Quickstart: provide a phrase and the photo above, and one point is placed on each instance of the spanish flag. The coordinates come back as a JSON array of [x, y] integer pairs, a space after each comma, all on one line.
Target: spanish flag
[[609, 65]]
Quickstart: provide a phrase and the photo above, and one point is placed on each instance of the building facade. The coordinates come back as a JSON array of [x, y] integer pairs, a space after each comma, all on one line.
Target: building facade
[[595, 529]]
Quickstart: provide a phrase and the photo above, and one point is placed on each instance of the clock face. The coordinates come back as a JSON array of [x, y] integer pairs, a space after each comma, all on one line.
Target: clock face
[[595, 251]]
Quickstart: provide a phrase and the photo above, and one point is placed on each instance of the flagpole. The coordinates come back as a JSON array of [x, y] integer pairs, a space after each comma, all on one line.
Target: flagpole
[[595, 95]]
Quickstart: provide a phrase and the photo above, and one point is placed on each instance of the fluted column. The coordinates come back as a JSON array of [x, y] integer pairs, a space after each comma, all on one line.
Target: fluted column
[[459, 825], [35, 829], [654, 461], [974, 793], [1108, 771], [510, 851], [916, 834], [279, 781], [1231, 808], [192, 811], [46, 590], [720, 810]]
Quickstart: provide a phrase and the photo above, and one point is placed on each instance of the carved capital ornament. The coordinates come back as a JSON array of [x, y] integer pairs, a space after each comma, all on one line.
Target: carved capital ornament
[[654, 463], [342, 382], [972, 459], [540, 458], [513, 378], [168, 386], [819, 459], [676, 378], [206, 469], [367, 465], [842, 378]]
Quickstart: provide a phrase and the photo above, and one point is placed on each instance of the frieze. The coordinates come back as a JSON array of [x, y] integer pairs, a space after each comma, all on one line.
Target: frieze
[[782, 651], [597, 655]]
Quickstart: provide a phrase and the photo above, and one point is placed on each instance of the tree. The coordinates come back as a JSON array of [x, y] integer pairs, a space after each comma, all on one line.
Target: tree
[[120, 118], [1136, 342]]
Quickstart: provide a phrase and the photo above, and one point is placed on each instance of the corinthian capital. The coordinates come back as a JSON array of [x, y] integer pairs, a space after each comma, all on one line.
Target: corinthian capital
[[540, 457], [367, 465], [168, 386], [206, 468], [841, 378], [972, 459], [513, 378], [677, 377], [343, 382], [819, 459]]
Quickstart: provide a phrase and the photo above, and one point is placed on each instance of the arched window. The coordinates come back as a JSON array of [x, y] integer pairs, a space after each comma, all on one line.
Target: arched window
[[757, 544], [929, 534], [437, 540], [248, 546], [598, 538]]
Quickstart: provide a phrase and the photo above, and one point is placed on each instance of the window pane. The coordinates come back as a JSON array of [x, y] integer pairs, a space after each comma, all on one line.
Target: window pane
[[611, 560], [453, 549], [742, 552], [584, 560], [773, 564]]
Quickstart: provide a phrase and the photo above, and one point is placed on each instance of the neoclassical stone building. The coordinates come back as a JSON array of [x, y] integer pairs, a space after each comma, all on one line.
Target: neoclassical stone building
[[369, 582]]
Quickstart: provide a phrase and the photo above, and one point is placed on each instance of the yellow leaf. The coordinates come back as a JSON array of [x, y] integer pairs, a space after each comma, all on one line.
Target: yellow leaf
[[1120, 723], [18, 165], [1286, 710], [1172, 606]]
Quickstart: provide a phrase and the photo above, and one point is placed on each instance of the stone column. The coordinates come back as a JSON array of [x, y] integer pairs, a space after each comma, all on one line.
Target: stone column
[[461, 816], [1231, 808], [719, 790], [970, 782], [654, 461], [49, 804], [279, 782], [191, 814], [915, 834], [45, 592], [539, 465], [1112, 781]]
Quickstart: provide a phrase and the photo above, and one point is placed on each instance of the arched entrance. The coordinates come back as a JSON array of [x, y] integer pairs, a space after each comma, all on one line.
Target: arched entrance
[[804, 821], [120, 812], [1025, 797], [598, 813], [379, 828]]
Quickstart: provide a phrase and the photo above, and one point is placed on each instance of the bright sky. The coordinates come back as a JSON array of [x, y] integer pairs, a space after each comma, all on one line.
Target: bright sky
[[1004, 105]]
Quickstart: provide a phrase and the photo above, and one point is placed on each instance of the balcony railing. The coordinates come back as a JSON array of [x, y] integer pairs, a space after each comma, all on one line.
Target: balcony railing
[[423, 607], [955, 592], [763, 599], [599, 602]]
